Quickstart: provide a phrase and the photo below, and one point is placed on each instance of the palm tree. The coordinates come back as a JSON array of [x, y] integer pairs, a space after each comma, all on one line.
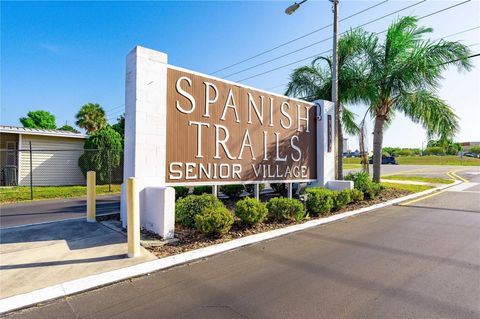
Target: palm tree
[[91, 117], [403, 75], [314, 82]]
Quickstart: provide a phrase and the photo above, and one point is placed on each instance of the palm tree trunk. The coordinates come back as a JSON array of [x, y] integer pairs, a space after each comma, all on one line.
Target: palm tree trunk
[[339, 131], [377, 146]]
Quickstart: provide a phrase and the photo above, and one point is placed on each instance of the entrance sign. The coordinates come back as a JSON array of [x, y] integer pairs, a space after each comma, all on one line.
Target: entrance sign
[[186, 128], [220, 132]]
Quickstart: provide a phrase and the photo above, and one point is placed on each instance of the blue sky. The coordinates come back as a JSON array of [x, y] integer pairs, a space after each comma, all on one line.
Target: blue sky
[[58, 56]]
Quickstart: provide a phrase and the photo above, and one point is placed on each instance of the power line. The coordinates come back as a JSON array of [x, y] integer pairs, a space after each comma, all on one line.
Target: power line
[[296, 39], [285, 65], [113, 108], [325, 39]]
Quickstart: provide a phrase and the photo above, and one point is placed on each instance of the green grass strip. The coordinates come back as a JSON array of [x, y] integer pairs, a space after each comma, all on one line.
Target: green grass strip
[[434, 180], [407, 187]]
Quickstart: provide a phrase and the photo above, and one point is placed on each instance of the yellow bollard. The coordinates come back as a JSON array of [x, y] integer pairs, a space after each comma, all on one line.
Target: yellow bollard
[[91, 197], [133, 218]]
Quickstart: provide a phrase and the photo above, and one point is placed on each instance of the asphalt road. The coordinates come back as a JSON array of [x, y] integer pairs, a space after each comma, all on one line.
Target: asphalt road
[[421, 260], [53, 210]]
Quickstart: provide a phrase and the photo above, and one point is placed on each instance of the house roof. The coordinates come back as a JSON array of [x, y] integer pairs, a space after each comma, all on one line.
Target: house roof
[[39, 131]]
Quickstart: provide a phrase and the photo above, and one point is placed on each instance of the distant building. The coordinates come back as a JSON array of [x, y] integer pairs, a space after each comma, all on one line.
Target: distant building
[[54, 158], [466, 145], [345, 145]]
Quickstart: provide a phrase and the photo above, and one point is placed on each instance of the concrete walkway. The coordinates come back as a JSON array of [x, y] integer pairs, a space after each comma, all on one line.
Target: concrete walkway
[[34, 257]]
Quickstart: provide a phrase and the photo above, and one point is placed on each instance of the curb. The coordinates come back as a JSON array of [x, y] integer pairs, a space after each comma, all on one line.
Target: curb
[[95, 281]]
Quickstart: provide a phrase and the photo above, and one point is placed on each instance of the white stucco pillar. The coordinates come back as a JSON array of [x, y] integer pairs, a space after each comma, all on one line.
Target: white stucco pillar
[[326, 148], [145, 139]]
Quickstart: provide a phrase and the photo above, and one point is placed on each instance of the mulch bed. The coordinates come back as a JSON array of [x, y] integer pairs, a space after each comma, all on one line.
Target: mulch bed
[[190, 239]]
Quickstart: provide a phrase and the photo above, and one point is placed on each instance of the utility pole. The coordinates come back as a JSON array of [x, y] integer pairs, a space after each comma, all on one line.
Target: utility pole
[[338, 110]]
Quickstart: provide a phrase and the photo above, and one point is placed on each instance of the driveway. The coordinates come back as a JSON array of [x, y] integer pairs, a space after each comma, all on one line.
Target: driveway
[[42, 211], [421, 260]]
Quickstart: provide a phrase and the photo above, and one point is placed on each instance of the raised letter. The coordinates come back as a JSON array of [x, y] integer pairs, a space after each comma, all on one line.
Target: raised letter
[[300, 118], [278, 158], [176, 171], [251, 103], [286, 115], [219, 142], [199, 136], [209, 101], [244, 144], [295, 147], [230, 103], [184, 94]]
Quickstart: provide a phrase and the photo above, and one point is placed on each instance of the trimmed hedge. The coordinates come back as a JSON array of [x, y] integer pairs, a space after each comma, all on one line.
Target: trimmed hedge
[[320, 200], [251, 188], [282, 208], [180, 192], [188, 207], [199, 190], [341, 199], [214, 221], [232, 190], [364, 183], [251, 211]]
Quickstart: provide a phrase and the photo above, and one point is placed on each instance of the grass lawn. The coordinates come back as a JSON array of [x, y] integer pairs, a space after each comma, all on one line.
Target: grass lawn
[[427, 160], [407, 187], [22, 193], [435, 180], [351, 166]]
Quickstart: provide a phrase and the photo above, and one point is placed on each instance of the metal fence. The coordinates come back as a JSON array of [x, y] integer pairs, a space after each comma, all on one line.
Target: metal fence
[[34, 172]]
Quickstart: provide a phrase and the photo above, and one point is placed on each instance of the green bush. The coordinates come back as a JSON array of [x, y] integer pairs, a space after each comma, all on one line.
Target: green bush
[[364, 183], [282, 208], [279, 188], [180, 192], [435, 150], [251, 211], [214, 221], [319, 200], [232, 190], [341, 199], [188, 207], [102, 154], [356, 195], [199, 190], [251, 188], [475, 149]]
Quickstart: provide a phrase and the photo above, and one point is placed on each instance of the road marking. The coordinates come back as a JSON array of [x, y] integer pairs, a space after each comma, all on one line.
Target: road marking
[[420, 198], [455, 176], [461, 187]]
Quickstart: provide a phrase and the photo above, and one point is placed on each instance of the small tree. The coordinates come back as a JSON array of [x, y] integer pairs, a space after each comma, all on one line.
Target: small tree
[[102, 154], [68, 128], [120, 126], [91, 117], [39, 119]]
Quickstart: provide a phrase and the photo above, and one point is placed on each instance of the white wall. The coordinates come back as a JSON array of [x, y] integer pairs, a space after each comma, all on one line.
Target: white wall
[[51, 168]]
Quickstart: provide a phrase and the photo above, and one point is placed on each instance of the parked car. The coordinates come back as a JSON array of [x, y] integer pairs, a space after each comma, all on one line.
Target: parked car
[[471, 155], [385, 160]]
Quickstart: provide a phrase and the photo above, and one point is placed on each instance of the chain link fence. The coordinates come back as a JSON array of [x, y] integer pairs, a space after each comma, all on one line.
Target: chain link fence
[[57, 173]]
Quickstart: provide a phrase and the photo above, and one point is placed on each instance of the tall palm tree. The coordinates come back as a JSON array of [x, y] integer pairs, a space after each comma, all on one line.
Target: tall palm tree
[[403, 75], [314, 82], [91, 117]]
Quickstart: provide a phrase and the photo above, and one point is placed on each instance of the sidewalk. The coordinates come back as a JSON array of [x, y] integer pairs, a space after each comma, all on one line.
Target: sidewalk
[[39, 256]]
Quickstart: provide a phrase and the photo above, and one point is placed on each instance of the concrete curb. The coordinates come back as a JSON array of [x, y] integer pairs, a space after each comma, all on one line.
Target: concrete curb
[[95, 281]]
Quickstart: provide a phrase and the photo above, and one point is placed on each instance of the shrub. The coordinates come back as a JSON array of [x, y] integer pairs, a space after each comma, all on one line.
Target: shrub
[[103, 152], [356, 195], [282, 208], [199, 190], [188, 207], [180, 192], [251, 211], [279, 188], [251, 188], [435, 150], [232, 190], [364, 183], [341, 199], [214, 221], [475, 149], [319, 200]]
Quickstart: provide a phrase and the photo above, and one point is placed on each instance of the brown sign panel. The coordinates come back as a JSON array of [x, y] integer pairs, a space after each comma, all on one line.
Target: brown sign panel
[[219, 132]]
